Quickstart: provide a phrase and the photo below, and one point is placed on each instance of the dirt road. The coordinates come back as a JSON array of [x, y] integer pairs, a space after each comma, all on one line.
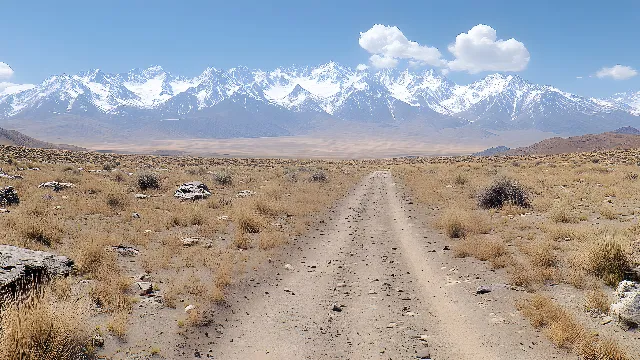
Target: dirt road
[[372, 282]]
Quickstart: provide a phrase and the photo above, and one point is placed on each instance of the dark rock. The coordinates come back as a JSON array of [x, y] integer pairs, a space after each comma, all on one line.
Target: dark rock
[[22, 268], [483, 290]]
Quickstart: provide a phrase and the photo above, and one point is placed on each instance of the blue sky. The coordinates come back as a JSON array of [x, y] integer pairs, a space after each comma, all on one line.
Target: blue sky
[[564, 39]]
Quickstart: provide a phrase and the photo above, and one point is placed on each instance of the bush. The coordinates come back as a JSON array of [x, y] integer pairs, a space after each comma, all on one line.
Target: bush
[[318, 176], [223, 178], [148, 181], [608, 261], [501, 192]]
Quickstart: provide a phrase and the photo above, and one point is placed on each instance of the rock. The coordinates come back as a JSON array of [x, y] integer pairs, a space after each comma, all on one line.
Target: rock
[[7, 176], [146, 288], [194, 190], [135, 215], [245, 193], [335, 307], [21, 267], [483, 290], [446, 248], [125, 250], [391, 325], [56, 186], [341, 284], [141, 196], [288, 267], [8, 196], [223, 217], [97, 341], [627, 305], [423, 354], [189, 308], [189, 241], [3, 210]]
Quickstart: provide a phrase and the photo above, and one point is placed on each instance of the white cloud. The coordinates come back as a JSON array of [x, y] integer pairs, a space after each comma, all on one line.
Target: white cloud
[[361, 67], [618, 72], [478, 50], [5, 71], [383, 62], [578, 77], [388, 44]]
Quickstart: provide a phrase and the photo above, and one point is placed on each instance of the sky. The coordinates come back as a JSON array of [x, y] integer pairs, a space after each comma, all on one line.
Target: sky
[[584, 47]]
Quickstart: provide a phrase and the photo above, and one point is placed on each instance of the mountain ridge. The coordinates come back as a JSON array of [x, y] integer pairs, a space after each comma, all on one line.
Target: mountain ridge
[[285, 101]]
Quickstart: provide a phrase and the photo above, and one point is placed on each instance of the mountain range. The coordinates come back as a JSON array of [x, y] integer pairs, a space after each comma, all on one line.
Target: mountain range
[[240, 102]]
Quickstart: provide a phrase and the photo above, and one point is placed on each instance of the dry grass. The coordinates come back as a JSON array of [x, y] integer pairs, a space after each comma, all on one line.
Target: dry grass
[[482, 248], [607, 260], [564, 331], [596, 300], [40, 328], [459, 224]]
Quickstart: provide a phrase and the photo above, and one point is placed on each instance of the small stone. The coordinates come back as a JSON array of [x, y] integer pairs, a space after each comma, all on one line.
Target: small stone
[[341, 284], [423, 354], [288, 267], [141, 196], [335, 307], [483, 289], [446, 247], [391, 325], [245, 193], [189, 241], [189, 308], [146, 288], [97, 341], [372, 292], [135, 215]]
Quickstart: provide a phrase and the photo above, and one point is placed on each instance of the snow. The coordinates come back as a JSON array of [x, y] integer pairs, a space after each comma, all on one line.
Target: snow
[[327, 86]]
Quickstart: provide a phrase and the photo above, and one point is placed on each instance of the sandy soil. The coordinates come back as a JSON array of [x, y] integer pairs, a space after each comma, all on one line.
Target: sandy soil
[[400, 292]]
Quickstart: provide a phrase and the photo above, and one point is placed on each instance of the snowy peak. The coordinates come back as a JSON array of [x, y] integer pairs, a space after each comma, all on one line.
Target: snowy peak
[[497, 101]]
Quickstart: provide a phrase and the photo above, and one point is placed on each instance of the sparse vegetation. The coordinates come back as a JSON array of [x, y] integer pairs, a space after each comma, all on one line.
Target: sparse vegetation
[[148, 181], [502, 192]]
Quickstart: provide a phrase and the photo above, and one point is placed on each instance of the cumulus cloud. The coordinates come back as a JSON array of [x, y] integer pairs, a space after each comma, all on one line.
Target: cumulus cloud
[[387, 44], [383, 62], [479, 50], [618, 72], [361, 67], [475, 51], [5, 71]]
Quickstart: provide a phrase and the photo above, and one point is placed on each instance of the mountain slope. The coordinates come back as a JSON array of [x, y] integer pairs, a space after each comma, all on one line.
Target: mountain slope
[[15, 138], [241, 102]]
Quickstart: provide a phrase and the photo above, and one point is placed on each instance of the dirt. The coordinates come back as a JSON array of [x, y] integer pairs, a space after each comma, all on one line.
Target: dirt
[[371, 281]]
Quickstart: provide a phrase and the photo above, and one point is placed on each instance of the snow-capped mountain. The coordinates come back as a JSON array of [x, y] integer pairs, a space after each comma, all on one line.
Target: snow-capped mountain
[[285, 101]]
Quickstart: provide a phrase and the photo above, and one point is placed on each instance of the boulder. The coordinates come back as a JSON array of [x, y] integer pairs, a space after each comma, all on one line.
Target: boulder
[[8, 196], [193, 190], [56, 186], [20, 268], [627, 305]]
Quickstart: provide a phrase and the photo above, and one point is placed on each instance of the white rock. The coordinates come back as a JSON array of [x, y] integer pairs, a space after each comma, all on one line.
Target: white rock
[[288, 267], [190, 241], [189, 308], [627, 306]]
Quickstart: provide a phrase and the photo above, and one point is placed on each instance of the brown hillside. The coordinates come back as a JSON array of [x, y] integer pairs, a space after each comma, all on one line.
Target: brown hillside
[[584, 143], [16, 138]]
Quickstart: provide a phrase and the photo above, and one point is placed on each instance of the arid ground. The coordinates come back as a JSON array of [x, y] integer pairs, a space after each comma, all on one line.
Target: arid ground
[[433, 258]]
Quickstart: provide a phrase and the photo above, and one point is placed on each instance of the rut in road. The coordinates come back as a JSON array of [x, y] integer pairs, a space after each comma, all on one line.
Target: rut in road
[[395, 299]]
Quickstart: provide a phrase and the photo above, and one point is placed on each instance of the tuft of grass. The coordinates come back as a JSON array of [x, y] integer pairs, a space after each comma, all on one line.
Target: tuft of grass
[[36, 329], [503, 191], [607, 213], [565, 332], [607, 260], [459, 224], [318, 176], [596, 300], [483, 249]]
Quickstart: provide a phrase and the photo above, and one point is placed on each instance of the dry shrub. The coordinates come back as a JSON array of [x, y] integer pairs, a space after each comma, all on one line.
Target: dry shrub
[[116, 200], [483, 249], [110, 293], [564, 331], [223, 178], [459, 224], [47, 230], [563, 213], [268, 207], [241, 240], [596, 300], [271, 239], [542, 254], [117, 325], [37, 329], [503, 191], [607, 213], [529, 276], [608, 261], [247, 222], [148, 181]]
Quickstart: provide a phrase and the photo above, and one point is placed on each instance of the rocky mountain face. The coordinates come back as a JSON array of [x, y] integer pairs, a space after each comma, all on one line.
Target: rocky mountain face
[[240, 102]]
